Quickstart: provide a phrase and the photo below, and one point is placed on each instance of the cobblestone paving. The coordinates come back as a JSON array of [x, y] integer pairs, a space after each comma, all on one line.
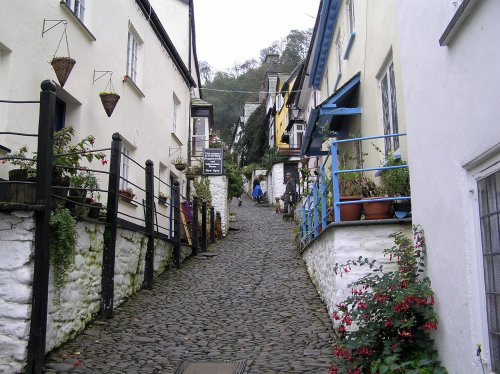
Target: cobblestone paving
[[253, 301]]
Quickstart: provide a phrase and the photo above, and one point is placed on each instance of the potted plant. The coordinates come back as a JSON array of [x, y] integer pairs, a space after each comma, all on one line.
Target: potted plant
[[22, 193], [162, 198], [109, 101], [192, 171], [396, 182], [180, 163], [127, 194], [377, 209]]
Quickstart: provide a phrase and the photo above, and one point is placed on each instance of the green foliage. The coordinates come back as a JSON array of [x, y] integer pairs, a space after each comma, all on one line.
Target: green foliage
[[384, 326], [396, 182], [234, 177], [63, 239], [247, 77], [254, 139], [247, 171], [202, 187]]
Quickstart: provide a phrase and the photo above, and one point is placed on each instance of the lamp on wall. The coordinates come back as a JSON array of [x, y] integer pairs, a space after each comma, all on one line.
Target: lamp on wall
[[295, 112]]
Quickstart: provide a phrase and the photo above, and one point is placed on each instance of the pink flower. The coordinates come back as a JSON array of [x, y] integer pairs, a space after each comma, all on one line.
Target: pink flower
[[104, 162]]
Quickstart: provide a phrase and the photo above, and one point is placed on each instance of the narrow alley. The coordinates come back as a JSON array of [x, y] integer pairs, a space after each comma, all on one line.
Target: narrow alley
[[250, 301]]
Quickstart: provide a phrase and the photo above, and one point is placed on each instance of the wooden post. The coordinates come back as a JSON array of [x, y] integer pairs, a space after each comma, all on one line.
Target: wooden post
[[108, 255], [204, 226], [177, 225], [38, 327], [212, 225], [149, 220], [194, 227]]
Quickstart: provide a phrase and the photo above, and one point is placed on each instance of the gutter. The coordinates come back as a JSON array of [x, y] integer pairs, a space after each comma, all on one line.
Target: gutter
[[165, 40]]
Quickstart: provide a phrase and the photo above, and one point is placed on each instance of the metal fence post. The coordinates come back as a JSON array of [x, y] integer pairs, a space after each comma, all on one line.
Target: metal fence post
[[315, 210], [212, 225], [335, 180], [194, 227], [38, 327], [108, 255], [204, 226], [177, 225], [149, 221]]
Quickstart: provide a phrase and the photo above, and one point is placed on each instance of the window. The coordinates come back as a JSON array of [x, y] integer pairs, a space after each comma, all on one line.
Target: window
[[60, 115], [175, 110], [338, 44], [125, 167], [389, 108], [199, 140], [489, 213], [350, 16], [279, 102], [271, 134], [297, 135], [132, 55], [78, 8]]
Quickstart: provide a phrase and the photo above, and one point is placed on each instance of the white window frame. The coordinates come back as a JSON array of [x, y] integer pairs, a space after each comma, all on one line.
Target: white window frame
[[77, 7], [199, 138], [390, 122], [298, 128], [125, 166], [176, 103], [133, 51], [338, 46]]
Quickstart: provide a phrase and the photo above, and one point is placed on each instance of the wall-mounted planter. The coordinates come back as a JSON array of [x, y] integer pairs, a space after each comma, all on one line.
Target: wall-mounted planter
[[62, 67], [109, 101]]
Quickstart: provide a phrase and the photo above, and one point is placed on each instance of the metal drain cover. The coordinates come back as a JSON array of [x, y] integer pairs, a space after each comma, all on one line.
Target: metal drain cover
[[211, 367]]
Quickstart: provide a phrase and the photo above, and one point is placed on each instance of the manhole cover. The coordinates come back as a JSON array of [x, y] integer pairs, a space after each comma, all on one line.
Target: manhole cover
[[211, 367]]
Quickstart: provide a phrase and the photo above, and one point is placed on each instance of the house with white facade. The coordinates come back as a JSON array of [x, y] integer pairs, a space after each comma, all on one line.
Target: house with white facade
[[145, 49], [449, 54]]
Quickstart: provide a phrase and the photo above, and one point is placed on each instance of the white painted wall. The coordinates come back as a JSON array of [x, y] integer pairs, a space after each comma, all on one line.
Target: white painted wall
[[276, 185], [340, 244], [79, 300], [219, 191], [451, 94], [17, 234]]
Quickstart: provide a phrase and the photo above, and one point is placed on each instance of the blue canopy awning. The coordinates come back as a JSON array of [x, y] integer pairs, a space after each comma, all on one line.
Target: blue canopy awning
[[327, 118]]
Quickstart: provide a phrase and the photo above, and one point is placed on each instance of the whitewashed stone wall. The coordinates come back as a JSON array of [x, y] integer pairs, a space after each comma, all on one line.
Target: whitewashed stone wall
[[17, 234], [219, 191], [277, 187], [72, 307], [340, 244]]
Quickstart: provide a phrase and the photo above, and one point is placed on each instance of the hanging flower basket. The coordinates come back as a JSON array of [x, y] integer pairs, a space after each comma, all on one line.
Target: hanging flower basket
[[180, 166], [62, 67], [109, 101]]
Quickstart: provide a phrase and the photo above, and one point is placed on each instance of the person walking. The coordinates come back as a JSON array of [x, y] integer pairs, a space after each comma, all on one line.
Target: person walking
[[290, 191]]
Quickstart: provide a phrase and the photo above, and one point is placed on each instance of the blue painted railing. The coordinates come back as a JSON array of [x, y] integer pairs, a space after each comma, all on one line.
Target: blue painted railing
[[314, 212]]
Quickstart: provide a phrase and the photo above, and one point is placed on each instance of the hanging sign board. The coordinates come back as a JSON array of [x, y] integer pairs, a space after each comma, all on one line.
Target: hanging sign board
[[212, 161]]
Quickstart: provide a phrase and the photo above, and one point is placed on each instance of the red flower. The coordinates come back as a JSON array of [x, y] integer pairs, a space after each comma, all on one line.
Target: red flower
[[333, 371], [335, 316], [104, 162], [342, 329]]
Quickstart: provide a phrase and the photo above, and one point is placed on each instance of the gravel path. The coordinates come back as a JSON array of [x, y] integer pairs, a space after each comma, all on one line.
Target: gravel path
[[252, 301]]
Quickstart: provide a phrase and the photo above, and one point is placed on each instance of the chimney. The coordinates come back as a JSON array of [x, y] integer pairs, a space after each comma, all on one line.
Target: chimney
[[272, 63], [262, 92]]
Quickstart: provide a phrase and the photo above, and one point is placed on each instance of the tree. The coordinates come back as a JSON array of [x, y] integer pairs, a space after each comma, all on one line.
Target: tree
[[253, 143]]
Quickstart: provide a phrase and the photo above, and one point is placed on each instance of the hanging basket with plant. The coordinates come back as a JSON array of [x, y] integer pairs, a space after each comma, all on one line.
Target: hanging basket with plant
[[109, 98], [62, 65], [180, 163]]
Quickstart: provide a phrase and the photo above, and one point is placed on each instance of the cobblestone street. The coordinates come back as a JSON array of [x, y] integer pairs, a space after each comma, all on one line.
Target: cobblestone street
[[251, 301]]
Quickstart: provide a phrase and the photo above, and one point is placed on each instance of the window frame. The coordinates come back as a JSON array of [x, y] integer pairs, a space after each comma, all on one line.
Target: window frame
[[78, 8], [176, 103], [195, 138], [126, 150], [487, 293], [392, 126]]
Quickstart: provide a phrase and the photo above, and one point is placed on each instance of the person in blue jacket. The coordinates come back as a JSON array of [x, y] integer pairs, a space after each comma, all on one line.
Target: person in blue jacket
[[257, 192]]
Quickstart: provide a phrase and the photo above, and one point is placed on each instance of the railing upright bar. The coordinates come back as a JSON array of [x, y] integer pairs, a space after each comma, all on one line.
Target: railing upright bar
[[194, 227], [335, 181], [315, 209], [108, 255], [304, 223], [177, 226], [149, 221], [323, 191], [204, 226], [212, 225], [38, 327]]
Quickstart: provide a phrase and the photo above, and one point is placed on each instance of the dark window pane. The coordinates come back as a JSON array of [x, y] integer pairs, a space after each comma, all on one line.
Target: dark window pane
[[496, 272], [485, 235], [488, 274], [495, 352], [492, 313], [483, 197], [494, 234], [492, 194]]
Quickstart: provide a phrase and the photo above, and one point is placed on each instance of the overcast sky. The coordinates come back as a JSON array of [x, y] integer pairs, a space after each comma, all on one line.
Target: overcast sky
[[229, 31]]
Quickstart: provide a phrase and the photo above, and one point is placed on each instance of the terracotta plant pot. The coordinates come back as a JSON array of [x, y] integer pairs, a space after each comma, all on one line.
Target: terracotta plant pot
[[109, 101], [350, 212], [378, 209], [62, 67]]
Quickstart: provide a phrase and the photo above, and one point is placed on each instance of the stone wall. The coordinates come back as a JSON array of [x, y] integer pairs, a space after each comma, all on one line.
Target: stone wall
[[17, 235], [219, 191], [339, 244], [72, 307]]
